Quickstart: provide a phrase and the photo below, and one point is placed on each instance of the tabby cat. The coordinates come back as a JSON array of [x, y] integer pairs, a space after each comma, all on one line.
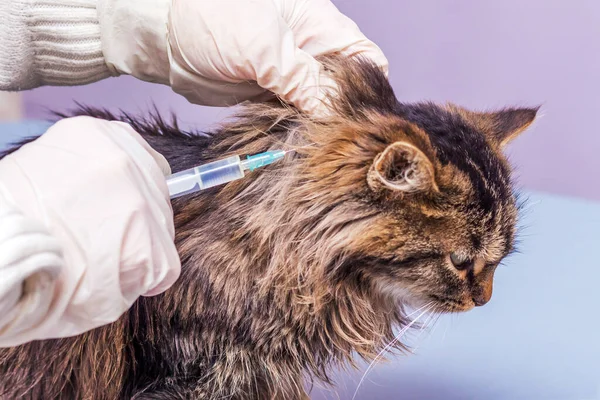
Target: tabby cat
[[304, 264]]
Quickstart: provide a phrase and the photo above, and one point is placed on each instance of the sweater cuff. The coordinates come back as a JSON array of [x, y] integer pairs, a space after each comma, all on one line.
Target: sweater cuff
[[50, 42]]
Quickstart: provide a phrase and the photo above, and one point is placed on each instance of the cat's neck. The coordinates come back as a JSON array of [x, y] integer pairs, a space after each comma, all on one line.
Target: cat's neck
[[263, 300]]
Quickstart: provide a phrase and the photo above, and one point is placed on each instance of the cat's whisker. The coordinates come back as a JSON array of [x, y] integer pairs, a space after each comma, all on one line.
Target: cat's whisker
[[435, 324], [402, 331], [425, 324], [446, 331], [431, 321], [427, 307], [385, 349]]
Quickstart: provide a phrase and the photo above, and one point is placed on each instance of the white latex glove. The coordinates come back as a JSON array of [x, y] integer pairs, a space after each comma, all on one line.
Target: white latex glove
[[211, 51], [86, 227]]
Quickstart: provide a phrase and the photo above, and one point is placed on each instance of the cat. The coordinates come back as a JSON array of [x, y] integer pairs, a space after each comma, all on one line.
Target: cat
[[301, 265]]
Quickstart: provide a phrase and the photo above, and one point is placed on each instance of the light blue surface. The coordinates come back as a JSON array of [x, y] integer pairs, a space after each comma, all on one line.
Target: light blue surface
[[536, 340], [12, 132]]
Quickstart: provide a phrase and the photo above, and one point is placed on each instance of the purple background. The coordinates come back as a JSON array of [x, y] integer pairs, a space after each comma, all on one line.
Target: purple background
[[480, 54]]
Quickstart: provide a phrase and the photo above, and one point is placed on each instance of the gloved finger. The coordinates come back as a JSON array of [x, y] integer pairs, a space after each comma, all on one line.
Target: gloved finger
[[15, 224], [47, 263], [26, 305], [323, 29], [166, 265], [35, 301], [149, 259], [292, 73], [21, 237], [152, 168], [32, 261], [160, 160], [18, 248], [301, 81]]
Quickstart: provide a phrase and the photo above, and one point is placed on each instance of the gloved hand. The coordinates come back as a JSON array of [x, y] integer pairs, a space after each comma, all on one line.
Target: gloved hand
[[86, 227], [210, 51]]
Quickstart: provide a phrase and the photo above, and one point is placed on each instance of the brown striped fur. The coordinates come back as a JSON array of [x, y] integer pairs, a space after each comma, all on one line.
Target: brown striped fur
[[296, 268]]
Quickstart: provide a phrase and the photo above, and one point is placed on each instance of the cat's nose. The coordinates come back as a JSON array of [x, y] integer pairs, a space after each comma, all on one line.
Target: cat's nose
[[481, 300], [482, 293]]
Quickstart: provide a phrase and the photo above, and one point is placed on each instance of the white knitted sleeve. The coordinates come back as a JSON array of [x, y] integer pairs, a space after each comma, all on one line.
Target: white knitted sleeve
[[49, 42]]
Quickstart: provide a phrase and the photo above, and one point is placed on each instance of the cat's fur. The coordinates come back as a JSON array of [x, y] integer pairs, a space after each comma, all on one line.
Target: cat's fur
[[297, 267]]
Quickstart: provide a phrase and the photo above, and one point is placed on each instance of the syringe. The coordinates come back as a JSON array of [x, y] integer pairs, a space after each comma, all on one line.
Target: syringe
[[218, 172]]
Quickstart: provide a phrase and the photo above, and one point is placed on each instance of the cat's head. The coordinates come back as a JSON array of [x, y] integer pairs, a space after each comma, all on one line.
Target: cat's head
[[414, 201]]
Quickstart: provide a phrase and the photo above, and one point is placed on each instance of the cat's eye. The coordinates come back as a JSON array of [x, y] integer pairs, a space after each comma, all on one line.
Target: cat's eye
[[460, 261]]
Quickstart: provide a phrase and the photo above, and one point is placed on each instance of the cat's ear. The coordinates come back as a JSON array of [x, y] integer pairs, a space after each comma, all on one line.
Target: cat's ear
[[504, 125], [402, 167]]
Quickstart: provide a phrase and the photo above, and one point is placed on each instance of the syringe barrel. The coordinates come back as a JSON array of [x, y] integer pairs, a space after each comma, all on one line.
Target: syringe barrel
[[205, 176]]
